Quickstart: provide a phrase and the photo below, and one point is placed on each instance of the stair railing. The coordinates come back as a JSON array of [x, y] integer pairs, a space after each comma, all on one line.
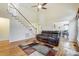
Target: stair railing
[[23, 16]]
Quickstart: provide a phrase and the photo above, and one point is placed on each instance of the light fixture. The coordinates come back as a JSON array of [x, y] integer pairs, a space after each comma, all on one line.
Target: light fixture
[[39, 6]]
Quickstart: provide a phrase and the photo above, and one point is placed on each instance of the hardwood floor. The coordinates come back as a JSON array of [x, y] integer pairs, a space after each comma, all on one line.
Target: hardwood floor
[[12, 48], [17, 51], [4, 48]]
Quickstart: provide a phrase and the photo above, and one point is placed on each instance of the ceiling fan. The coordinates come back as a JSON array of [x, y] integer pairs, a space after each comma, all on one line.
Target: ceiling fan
[[40, 6]]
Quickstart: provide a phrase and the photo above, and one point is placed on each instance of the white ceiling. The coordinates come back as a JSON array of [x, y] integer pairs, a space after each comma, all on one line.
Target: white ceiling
[[54, 12]]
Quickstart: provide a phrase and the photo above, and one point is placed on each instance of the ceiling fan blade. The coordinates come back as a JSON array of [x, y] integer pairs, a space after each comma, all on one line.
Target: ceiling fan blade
[[44, 4], [44, 8]]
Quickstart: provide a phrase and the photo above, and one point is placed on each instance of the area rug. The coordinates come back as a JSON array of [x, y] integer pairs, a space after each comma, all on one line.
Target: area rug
[[41, 49]]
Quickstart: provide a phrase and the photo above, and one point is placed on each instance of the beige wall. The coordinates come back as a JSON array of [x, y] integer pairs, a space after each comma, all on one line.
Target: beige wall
[[3, 10], [4, 29]]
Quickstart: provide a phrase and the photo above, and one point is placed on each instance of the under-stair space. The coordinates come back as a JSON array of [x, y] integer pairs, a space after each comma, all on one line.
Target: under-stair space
[[21, 28]]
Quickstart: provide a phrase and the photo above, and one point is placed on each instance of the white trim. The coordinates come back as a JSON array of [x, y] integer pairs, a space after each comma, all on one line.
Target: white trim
[[23, 39]]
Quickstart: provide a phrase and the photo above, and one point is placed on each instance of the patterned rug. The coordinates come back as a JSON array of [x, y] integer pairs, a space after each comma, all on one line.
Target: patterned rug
[[32, 48]]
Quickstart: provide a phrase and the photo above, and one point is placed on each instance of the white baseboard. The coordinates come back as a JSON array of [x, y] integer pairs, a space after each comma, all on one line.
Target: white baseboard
[[23, 39]]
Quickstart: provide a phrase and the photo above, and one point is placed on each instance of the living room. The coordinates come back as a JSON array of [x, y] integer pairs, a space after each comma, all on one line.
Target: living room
[[47, 24], [43, 29]]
